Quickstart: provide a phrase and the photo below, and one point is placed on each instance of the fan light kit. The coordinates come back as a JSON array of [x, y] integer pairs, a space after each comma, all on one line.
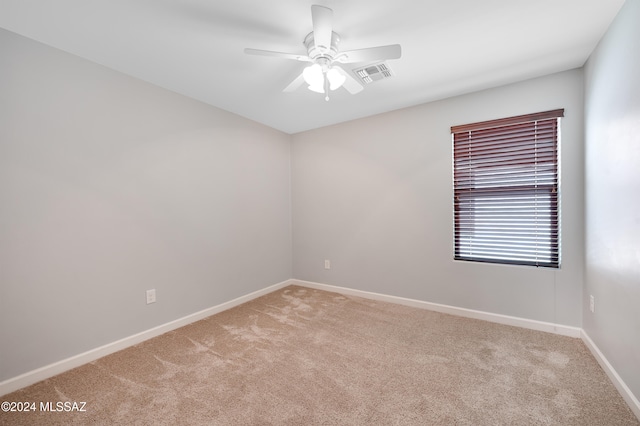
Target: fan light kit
[[324, 75]]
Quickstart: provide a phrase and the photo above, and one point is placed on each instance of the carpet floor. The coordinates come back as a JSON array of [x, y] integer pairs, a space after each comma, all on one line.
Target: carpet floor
[[300, 356]]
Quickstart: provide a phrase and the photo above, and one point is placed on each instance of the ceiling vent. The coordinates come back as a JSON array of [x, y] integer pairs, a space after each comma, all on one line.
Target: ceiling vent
[[373, 72]]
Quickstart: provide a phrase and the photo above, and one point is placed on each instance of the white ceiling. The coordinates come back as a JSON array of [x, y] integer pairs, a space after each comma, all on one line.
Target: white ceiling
[[195, 47]]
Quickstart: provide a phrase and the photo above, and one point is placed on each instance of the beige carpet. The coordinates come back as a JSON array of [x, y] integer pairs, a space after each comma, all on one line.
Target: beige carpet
[[305, 357]]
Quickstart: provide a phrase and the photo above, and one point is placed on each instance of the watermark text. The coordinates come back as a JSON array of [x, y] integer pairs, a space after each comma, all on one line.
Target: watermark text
[[49, 406]]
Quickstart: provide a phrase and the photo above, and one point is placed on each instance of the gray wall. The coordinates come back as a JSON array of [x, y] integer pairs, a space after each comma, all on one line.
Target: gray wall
[[612, 117], [374, 196], [110, 186]]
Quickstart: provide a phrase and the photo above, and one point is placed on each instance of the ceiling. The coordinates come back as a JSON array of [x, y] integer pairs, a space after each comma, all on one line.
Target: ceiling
[[195, 47]]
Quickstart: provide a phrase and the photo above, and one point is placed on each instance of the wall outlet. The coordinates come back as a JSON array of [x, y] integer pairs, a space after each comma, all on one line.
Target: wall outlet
[[592, 303], [327, 264], [151, 296]]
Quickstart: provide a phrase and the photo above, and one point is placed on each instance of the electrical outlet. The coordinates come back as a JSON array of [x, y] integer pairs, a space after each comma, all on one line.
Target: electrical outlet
[[151, 296], [327, 264], [592, 303]]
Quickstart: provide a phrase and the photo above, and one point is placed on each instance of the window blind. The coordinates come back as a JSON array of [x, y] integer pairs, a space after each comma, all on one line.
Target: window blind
[[506, 190]]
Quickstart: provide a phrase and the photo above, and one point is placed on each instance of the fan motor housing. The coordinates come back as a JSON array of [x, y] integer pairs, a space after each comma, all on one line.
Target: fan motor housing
[[316, 52]]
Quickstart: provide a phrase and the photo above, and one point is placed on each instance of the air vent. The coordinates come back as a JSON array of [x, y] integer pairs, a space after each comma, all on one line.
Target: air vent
[[373, 72]]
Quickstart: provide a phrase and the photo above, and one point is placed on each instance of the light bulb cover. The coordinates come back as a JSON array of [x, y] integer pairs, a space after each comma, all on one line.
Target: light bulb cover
[[317, 88], [336, 79], [313, 75]]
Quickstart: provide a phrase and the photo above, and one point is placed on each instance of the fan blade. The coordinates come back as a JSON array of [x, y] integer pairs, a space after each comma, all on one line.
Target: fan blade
[[294, 84], [392, 51], [322, 18], [302, 58], [351, 84]]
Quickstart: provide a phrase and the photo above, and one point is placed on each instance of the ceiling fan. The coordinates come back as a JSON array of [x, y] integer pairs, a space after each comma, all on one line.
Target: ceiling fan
[[322, 43]]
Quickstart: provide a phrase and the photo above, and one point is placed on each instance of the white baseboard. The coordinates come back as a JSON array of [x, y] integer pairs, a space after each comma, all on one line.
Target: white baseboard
[[622, 387], [56, 368], [564, 330]]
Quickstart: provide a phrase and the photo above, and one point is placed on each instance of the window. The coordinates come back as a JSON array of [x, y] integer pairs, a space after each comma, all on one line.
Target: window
[[506, 192]]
